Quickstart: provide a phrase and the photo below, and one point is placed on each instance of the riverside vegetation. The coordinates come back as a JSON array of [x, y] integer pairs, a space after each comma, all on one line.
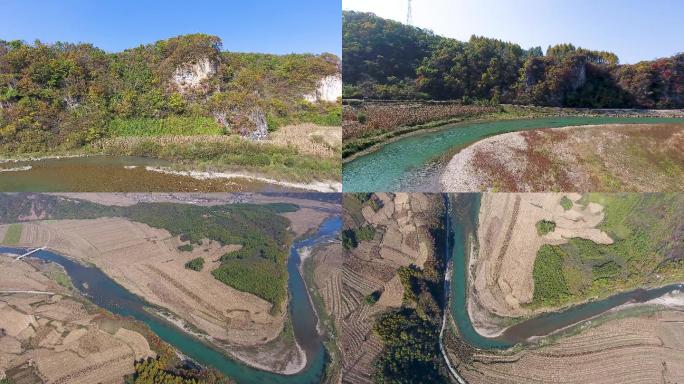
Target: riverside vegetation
[[68, 98]]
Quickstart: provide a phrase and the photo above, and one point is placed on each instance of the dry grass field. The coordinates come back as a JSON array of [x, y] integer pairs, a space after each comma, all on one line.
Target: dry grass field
[[310, 139], [601, 158]]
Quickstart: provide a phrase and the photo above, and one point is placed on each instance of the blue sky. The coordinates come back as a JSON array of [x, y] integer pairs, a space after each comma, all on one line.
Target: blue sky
[[633, 29], [274, 26]]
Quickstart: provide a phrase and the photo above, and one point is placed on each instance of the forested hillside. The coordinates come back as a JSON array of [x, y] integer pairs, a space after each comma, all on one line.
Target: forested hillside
[[384, 59], [68, 95]]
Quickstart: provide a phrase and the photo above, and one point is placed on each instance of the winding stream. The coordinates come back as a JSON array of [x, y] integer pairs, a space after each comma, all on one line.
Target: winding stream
[[113, 174], [108, 294], [412, 163], [463, 217]]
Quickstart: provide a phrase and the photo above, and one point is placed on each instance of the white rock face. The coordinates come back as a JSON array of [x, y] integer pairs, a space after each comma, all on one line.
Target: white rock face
[[329, 89], [191, 75]]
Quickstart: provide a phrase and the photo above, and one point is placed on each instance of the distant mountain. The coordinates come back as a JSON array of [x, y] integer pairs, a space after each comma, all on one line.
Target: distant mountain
[[385, 59], [68, 94]]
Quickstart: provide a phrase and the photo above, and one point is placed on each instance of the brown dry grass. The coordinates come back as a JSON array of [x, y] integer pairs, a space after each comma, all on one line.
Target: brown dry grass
[[601, 158], [374, 118], [310, 139]]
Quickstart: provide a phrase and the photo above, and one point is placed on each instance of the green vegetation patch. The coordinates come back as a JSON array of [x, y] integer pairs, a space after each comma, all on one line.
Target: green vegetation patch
[[550, 286], [326, 114], [60, 278], [13, 234], [410, 335], [545, 226], [171, 125], [255, 274], [156, 371], [566, 203], [352, 237], [372, 297], [196, 264], [647, 231]]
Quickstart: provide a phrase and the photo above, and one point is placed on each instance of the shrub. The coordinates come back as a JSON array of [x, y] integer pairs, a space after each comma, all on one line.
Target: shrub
[[196, 264], [372, 297], [545, 226], [566, 203], [550, 286], [185, 248]]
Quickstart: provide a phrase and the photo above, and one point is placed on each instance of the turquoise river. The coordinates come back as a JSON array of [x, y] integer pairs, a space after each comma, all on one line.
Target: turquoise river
[[415, 162], [108, 294]]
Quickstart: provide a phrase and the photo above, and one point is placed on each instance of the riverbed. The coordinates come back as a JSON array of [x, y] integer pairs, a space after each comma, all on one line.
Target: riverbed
[[102, 173], [108, 294], [414, 163]]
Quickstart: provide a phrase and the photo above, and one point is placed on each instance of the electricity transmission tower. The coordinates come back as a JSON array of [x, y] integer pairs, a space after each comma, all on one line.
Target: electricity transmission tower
[[408, 14]]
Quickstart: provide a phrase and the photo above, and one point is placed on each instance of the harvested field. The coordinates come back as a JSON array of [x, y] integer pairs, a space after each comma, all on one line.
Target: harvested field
[[640, 349], [146, 261], [345, 280], [501, 271], [55, 339], [599, 158]]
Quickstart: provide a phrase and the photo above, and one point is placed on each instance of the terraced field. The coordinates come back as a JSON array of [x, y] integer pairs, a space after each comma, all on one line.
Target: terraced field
[[53, 337], [642, 349], [363, 282]]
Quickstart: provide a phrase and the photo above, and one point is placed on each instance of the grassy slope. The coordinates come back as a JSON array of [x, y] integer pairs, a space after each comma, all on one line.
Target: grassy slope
[[645, 228]]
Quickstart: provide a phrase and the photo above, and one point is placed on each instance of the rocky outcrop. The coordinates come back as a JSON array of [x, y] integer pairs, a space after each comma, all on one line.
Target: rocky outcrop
[[258, 118], [548, 81], [329, 89], [191, 75], [251, 125]]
